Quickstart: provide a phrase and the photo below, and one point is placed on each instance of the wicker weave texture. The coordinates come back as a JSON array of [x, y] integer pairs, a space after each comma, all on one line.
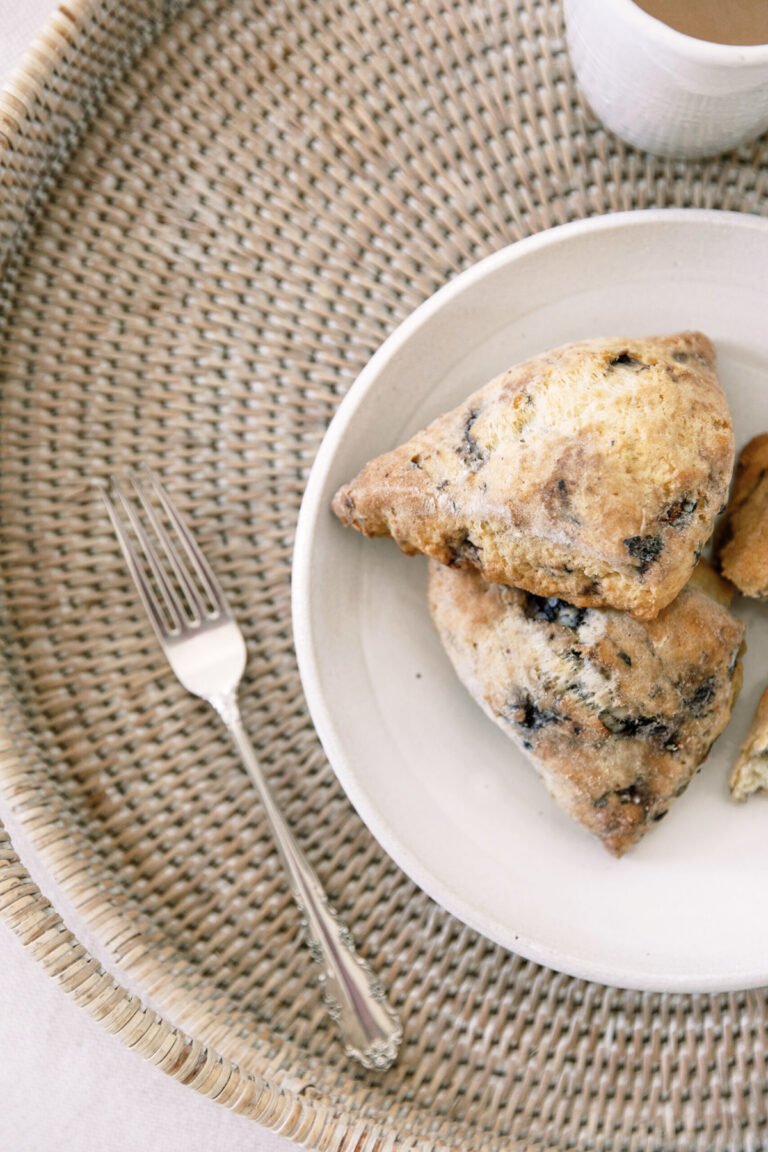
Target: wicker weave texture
[[214, 214]]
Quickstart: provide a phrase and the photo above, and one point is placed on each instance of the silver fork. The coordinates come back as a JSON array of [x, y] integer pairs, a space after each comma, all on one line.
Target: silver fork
[[205, 648]]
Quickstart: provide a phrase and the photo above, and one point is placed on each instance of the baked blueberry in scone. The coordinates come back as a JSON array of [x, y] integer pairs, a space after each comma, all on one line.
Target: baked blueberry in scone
[[616, 714], [592, 473], [743, 539], [750, 773]]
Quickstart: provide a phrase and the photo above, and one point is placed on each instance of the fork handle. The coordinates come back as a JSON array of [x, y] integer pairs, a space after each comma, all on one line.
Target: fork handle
[[353, 996]]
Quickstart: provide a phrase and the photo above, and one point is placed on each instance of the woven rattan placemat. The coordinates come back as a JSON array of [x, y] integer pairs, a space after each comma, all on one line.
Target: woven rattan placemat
[[212, 215]]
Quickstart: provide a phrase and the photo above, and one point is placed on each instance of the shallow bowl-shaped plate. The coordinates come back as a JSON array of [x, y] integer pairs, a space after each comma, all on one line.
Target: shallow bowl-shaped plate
[[444, 791]]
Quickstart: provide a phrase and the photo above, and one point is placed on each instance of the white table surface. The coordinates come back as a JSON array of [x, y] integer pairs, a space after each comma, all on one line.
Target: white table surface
[[69, 1086]]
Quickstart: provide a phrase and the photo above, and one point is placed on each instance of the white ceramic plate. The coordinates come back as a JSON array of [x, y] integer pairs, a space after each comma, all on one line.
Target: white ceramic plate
[[444, 791]]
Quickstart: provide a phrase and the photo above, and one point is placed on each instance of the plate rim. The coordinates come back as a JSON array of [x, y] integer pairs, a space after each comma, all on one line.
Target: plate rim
[[301, 583]]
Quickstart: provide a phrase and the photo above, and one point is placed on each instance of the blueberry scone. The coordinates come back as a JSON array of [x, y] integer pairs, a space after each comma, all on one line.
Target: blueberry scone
[[593, 473], [750, 773], [743, 544], [616, 714]]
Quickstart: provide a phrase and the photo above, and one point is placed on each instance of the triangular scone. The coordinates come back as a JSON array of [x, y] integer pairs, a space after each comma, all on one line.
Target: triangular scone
[[743, 543], [616, 714], [750, 773], [593, 473]]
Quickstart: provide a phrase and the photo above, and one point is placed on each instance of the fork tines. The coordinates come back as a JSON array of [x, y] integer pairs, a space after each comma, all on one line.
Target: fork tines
[[173, 578]]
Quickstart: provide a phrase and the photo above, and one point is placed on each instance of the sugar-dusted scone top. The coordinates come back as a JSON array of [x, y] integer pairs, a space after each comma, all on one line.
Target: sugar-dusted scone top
[[615, 713], [743, 540], [593, 473], [750, 773]]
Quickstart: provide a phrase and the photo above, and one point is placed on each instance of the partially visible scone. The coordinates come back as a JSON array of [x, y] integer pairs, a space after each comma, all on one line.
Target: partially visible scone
[[750, 773], [707, 579], [744, 536], [593, 473], [616, 714]]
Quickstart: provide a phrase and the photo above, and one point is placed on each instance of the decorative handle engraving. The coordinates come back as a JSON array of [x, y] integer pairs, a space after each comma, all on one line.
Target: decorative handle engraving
[[355, 999]]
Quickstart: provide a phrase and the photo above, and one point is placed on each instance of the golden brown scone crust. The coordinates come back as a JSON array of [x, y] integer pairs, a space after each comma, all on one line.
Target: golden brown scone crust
[[707, 579], [616, 714], [750, 773], [744, 536], [593, 473]]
